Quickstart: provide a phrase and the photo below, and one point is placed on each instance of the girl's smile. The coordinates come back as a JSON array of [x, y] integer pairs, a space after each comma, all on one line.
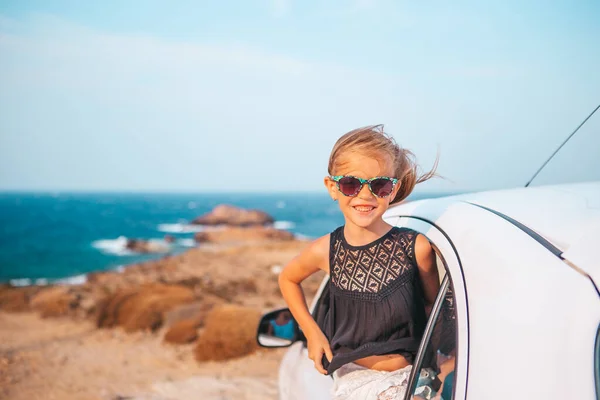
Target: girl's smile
[[363, 211]]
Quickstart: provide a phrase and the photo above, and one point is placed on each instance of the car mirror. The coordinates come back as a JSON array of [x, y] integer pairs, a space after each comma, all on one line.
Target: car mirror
[[278, 329]]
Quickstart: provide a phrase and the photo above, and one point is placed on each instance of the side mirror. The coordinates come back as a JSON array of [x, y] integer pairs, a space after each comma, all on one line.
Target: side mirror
[[278, 329]]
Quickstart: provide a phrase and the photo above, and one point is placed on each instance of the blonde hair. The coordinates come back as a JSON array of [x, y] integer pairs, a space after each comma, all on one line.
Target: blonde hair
[[373, 141]]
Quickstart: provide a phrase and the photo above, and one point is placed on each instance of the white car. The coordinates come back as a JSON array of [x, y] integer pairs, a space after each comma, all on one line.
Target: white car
[[519, 305]]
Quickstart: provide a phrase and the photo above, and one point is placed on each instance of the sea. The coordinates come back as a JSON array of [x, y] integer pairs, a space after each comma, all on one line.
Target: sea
[[60, 237]]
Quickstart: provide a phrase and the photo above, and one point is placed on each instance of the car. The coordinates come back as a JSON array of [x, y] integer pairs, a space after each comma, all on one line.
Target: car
[[518, 310]]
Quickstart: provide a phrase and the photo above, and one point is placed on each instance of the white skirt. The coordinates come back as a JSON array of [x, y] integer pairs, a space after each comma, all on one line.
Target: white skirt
[[354, 382]]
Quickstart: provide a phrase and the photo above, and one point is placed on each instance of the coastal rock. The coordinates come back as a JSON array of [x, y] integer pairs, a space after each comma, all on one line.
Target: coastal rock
[[230, 332], [141, 308], [237, 234], [196, 311], [146, 246], [16, 299], [54, 301], [229, 215], [182, 332]]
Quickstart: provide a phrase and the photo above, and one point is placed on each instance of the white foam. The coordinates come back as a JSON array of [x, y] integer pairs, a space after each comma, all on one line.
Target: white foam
[[284, 225], [187, 242], [180, 228], [28, 282], [20, 282], [300, 236], [280, 204], [192, 205], [73, 280], [113, 246]]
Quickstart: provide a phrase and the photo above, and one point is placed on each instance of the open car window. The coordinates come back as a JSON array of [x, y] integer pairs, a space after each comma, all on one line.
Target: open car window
[[436, 362]]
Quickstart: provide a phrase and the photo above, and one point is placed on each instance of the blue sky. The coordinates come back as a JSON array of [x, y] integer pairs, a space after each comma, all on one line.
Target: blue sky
[[251, 95]]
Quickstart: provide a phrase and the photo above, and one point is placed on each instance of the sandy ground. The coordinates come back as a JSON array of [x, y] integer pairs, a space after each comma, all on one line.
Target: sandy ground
[[65, 359], [68, 357]]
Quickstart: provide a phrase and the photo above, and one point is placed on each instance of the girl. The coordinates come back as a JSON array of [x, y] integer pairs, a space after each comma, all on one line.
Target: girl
[[383, 279]]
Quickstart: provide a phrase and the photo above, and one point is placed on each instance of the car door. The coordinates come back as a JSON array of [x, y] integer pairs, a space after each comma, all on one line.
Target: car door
[[298, 378], [443, 350]]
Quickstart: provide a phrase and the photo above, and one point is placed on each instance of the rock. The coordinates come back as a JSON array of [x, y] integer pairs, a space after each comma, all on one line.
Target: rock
[[56, 301], [233, 216], [231, 289], [196, 311], [146, 246], [182, 332], [169, 239], [230, 332], [237, 234], [16, 299], [141, 308]]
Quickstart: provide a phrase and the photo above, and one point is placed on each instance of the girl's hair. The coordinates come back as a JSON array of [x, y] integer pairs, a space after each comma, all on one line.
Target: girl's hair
[[373, 141]]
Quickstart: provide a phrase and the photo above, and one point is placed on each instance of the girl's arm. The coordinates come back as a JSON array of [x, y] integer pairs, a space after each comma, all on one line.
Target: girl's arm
[[428, 270], [314, 258]]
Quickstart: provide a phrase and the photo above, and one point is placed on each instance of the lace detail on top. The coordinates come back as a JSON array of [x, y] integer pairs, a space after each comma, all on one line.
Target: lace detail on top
[[373, 268]]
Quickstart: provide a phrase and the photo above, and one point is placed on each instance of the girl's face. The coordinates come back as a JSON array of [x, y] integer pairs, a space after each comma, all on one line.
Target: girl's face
[[364, 210]]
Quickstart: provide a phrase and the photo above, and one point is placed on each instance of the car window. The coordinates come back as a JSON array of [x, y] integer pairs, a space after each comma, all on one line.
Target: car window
[[437, 359], [597, 363]]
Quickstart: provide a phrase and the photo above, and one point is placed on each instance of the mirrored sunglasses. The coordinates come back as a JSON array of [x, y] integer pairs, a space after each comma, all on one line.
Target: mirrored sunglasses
[[380, 186]]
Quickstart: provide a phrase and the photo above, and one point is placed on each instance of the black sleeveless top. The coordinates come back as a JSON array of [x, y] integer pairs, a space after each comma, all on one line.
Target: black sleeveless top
[[376, 299]]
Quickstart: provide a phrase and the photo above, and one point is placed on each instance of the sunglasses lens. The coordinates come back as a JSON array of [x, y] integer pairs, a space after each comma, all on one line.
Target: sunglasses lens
[[349, 185], [382, 187]]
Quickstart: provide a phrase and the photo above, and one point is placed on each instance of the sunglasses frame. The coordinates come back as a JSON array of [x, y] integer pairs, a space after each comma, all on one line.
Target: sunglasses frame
[[362, 181]]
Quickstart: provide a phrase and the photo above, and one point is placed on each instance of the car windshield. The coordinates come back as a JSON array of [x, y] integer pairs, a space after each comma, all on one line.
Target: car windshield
[[578, 160]]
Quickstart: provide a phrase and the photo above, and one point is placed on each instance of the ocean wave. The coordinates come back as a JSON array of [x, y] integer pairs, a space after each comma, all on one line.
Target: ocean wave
[[180, 228], [186, 242], [28, 282], [113, 246], [284, 225], [73, 280]]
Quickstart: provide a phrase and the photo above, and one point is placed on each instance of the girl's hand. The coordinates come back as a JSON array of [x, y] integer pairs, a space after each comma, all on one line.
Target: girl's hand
[[317, 346]]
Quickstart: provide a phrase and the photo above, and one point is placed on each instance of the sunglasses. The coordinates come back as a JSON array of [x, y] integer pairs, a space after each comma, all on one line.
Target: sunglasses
[[380, 186]]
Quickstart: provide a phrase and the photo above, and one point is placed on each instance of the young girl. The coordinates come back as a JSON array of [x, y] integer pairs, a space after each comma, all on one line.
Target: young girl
[[383, 279]]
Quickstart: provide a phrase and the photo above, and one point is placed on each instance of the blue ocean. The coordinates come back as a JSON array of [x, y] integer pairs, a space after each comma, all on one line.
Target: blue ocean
[[48, 237]]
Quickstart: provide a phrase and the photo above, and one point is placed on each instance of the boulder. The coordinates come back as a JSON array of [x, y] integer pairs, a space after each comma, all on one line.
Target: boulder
[[237, 234], [185, 331], [55, 301], [146, 246], [196, 311], [16, 299], [230, 332], [141, 308], [229, 215]]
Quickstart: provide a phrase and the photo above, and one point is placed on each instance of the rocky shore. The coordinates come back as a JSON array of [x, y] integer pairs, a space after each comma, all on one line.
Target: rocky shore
[[178, 327]]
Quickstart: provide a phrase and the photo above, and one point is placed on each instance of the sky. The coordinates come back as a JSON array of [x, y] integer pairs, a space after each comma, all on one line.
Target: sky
[[132, 95]]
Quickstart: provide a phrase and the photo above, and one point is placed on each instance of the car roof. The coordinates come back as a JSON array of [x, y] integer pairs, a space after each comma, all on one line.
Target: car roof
[[559, 213], [565, 215]]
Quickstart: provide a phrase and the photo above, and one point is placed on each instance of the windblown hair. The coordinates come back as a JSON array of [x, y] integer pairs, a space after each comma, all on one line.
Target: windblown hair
[[373, 141]]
